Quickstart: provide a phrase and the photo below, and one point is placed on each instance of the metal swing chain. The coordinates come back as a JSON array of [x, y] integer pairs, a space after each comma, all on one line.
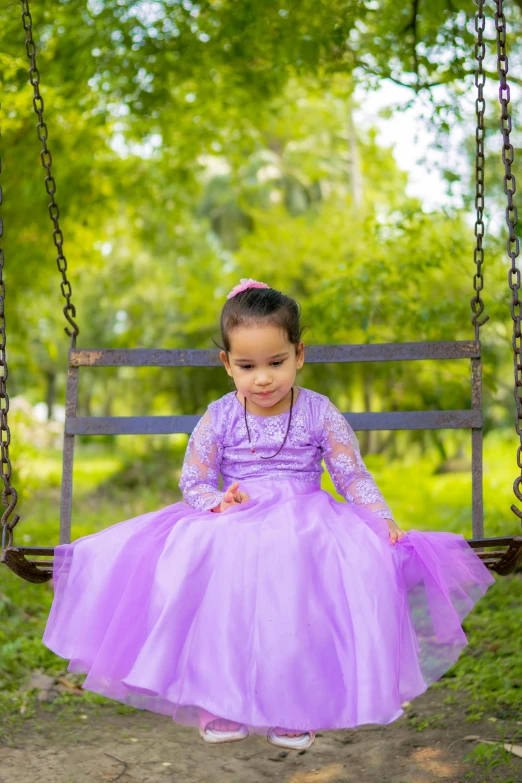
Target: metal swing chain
[[511, 220], [477, 305], [54, 212], [50, 184], [8, 490]]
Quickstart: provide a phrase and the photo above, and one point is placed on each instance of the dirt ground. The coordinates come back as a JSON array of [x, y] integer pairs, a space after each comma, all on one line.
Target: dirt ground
[[100, 745]]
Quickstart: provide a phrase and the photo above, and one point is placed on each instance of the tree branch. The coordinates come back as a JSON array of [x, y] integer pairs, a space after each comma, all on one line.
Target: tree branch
[[415, 87], [412, 25], [428, 85]]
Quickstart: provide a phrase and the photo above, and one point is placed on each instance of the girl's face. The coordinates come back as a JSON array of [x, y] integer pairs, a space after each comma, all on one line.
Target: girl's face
[[263, 363]]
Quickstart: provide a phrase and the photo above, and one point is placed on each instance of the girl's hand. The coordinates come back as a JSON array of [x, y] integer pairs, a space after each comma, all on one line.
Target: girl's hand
[[232, 497], [395, 532]]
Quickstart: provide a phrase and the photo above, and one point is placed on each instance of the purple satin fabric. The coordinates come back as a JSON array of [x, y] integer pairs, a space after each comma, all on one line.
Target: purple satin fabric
[[292, 609]]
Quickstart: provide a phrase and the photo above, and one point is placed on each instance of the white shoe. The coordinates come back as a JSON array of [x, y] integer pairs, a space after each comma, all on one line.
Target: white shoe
[[301, 742], [214, 736]]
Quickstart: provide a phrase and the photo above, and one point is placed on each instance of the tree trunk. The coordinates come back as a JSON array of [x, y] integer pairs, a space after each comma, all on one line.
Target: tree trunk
[[355, 162], [50, 393]]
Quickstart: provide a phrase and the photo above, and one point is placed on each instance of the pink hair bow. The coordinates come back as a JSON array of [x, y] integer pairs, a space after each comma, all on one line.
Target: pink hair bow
[[244, 284]]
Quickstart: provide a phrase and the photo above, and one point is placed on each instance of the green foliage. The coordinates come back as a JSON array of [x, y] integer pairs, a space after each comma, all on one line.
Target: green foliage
[[432, 721], [195, 144], [490, 668], [490, 756]]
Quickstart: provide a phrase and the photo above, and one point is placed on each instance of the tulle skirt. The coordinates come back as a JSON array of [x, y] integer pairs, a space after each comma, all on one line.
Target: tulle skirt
[[292, 609]]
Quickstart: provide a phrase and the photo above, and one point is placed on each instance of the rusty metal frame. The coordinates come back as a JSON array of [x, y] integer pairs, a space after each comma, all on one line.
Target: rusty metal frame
[[502, 561], [315, 354], [393, 420]]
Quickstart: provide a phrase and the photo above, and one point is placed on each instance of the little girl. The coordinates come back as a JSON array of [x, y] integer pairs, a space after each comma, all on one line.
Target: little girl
[[266, 606]]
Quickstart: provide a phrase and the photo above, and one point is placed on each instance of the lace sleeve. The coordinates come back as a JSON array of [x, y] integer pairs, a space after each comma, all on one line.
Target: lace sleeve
[[343, 460], [201, 466]]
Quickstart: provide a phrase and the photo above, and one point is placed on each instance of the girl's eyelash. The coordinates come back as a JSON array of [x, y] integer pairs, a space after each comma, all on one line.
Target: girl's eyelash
[[248, 366]]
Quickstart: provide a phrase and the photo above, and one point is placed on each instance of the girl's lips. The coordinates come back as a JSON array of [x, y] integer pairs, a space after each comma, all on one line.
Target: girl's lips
[[265, 394]]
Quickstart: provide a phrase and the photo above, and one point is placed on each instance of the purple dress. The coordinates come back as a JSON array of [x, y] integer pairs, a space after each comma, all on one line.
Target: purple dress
[[291, 609]]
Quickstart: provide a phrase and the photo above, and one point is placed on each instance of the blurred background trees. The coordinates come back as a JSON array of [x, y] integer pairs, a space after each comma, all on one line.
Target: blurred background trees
[[197, 143]]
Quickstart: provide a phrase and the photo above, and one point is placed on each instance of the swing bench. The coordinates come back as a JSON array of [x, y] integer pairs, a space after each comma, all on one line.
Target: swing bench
[[500, 554]]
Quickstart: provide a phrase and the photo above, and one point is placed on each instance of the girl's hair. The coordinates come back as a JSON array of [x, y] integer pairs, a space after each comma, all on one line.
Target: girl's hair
[[266, 305]]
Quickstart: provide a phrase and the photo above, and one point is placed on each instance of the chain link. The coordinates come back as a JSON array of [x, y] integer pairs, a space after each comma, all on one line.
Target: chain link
[[511, 220], [5, 434], [50, 184], [477, 305]]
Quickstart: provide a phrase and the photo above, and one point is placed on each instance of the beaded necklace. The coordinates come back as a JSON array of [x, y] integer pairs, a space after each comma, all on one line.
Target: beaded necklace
[[252, 449]]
